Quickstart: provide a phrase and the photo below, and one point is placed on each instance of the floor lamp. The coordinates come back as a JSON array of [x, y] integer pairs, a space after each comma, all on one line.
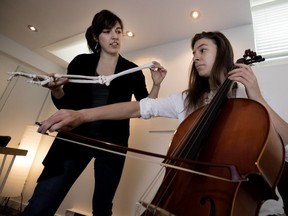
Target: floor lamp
[[21, 167]]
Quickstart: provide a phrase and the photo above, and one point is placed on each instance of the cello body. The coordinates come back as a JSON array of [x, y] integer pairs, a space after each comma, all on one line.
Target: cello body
[[242, 135]]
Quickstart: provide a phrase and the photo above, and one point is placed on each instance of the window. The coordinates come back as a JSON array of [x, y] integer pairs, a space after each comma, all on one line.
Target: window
[[270, 20]]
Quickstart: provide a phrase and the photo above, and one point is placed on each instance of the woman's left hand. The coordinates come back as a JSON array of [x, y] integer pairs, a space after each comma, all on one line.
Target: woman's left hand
[[244, 74], [158, 73]]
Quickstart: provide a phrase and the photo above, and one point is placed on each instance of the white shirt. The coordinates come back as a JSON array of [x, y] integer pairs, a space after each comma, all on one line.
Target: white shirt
[[169, 107]]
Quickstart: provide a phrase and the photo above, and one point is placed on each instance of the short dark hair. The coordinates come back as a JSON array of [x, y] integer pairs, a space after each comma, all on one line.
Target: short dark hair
[[105, 19]]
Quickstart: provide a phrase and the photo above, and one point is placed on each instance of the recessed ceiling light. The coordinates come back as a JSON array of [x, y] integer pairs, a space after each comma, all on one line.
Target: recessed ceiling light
[[32, 28], [195, 14], [129, 34]]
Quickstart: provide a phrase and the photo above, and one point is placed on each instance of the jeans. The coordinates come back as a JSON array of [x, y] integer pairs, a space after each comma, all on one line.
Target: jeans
[[50, 192]]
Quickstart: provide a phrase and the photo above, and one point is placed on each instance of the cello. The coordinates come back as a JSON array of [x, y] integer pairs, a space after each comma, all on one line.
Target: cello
[[235, 132]]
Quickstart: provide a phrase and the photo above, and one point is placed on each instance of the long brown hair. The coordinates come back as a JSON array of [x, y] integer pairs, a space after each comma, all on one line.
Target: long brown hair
[[224, 62]]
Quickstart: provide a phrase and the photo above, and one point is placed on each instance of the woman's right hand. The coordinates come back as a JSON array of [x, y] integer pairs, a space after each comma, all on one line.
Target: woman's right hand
[[61, 120], [56, 83], [56, 86]]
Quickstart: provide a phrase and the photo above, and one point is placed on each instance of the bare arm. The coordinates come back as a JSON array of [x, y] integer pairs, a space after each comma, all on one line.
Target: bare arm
[[69, 119], [116, 111], [280, 125]]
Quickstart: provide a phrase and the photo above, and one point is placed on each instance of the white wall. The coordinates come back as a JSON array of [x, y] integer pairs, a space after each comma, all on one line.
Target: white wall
[[150, 135], [23, 104]]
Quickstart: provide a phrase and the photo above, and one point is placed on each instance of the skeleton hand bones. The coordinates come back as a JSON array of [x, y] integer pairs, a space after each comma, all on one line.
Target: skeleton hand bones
[[45, 79]]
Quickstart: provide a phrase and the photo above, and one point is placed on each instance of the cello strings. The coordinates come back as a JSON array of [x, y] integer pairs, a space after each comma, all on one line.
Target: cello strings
[[208, 115], [201, 122], [198, 131], [150, 187]]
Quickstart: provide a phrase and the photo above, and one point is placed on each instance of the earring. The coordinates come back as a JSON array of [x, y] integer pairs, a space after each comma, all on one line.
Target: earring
[[96, 46]]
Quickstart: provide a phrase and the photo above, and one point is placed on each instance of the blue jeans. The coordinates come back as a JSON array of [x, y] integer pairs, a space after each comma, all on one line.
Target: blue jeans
[[50, 192]]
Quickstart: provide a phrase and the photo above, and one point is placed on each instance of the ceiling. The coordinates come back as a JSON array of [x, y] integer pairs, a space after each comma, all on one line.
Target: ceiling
[[154, 22]]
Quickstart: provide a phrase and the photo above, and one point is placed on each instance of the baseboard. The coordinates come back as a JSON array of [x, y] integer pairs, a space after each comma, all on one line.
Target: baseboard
[[15, 204], [76, 212]]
